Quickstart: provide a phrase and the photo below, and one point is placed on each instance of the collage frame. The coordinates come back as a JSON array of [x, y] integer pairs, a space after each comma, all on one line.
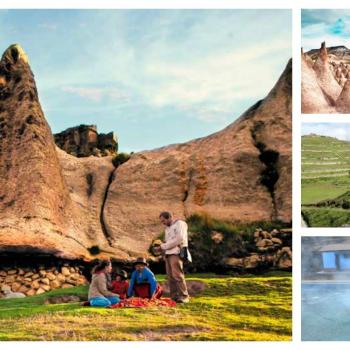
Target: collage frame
[[298, 231]]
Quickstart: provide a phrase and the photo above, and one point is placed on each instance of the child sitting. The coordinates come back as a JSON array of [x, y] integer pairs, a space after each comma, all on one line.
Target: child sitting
[[143, 283], [120, 285]]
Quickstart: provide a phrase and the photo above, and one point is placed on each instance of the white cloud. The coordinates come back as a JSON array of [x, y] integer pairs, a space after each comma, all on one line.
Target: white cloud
[[96, 94]]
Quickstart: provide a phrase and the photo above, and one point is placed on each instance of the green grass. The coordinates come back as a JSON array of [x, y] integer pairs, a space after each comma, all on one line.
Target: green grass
[[231, 308], [326, 217], [314, 192]]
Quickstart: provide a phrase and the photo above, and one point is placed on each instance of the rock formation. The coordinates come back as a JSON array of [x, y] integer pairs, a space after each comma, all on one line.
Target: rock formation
[[323, 81], [81, 208], [84, 141], [343, 101], [241, 173], [325, 78], [35, 205], [313, 98]]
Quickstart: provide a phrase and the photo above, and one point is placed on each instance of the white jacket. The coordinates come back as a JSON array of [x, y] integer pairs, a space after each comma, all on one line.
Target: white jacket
[[175, 237]]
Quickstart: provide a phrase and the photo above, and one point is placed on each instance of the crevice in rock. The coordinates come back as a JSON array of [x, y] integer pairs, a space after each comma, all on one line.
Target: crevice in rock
[[102, 219], [269, 158]]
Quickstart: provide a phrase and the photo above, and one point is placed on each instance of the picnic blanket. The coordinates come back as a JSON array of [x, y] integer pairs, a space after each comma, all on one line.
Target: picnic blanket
[[141, 303]]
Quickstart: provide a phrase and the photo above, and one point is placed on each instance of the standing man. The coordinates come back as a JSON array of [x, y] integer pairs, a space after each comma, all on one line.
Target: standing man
[[175, 238]]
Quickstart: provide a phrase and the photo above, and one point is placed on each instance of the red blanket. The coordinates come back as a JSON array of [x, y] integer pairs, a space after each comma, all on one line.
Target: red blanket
[[140, 302]]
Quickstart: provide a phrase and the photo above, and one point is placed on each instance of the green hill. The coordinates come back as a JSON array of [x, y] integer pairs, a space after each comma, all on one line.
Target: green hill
[[325, 181]]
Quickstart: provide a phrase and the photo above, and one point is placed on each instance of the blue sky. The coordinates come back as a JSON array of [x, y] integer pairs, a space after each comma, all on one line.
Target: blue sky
[[332, 26], [154, 77], [341, 131]]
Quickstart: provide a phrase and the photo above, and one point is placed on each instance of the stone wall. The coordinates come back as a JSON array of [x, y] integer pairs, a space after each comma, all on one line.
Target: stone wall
[[33, 281], [84, 141], [271, 249]]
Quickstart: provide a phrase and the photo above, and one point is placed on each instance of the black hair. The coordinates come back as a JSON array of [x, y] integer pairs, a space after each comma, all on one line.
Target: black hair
[[101, 266], [165, 214]]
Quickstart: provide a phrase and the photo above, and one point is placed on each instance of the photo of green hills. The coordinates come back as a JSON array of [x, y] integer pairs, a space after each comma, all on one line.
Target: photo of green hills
[[325, 178]]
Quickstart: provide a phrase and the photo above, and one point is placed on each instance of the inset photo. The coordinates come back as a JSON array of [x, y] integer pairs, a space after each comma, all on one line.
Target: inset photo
[[325, 174], [325, 61], [325, 288]]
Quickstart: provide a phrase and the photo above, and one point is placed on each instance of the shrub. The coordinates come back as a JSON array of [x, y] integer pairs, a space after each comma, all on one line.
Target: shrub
[[120, 158]]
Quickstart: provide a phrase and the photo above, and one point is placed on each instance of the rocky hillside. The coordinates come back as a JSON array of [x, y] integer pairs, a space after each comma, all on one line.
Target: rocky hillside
[[53, 202], [325, 85]]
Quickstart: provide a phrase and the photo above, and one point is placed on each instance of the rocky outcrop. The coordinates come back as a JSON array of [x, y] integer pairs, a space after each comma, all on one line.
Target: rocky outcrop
[[84, 141], [343, 102], [323, 81], [241, 173], [83, 208], [313, 98], [325, 78], [36, 211]]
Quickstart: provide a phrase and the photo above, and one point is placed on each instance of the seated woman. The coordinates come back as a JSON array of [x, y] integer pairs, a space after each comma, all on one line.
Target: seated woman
[[143, 283], [120, 285], [99, 295]]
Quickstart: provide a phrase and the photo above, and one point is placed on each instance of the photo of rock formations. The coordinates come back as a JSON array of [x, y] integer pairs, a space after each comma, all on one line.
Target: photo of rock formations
[[122, 121], [325, 174], [325, 62]]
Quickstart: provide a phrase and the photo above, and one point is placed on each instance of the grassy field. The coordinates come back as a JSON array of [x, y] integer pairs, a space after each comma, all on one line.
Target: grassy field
[[230, 308], [325, 176]]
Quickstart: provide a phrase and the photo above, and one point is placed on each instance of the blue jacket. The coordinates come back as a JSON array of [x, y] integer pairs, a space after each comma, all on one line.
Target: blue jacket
[[144, 276]]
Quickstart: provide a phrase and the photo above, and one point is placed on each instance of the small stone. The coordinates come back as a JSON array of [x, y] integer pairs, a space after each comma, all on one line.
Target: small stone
[[5, 287], [71, 281], [40, 291], [50, 276], [10, 279], [61, 278], [35, 276], [81, 281], [3, 274], [67, 285], [55, 284], [35, 285], [75, 276], [15, 286], [276, 240], [29, 274], [45, 281], [42, 273], [23, 289], [45, 287], [30, 292], [65, 271], [11, 272]]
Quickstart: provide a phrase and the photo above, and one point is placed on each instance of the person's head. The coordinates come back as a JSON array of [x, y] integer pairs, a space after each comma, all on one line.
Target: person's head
[[103, 266], [166, 218], [140, 264], [121, 275]]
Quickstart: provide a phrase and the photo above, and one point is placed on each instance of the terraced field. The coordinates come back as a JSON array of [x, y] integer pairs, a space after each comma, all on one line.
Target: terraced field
[[325, 174]]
